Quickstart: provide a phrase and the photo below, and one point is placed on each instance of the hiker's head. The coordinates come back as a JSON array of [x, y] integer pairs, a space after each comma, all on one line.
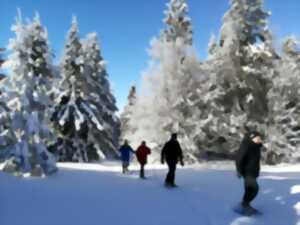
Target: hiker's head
[[125, 142], [256, 137], [174, 136], [143, 143]]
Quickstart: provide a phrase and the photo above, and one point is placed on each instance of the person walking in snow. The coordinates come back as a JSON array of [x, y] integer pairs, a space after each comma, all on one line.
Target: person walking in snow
[[171, 153], [142, 153], [125, 151], [248, 167]]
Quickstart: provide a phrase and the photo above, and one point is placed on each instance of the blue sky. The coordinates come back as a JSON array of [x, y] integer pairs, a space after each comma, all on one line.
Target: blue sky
[[126, 27]]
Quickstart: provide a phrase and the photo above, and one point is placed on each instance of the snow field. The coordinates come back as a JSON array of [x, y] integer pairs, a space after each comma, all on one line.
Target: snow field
[[93, 194]]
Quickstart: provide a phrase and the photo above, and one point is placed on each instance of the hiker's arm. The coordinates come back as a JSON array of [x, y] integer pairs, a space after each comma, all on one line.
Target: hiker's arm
[[180, 155], [240, 158], [163, 153]]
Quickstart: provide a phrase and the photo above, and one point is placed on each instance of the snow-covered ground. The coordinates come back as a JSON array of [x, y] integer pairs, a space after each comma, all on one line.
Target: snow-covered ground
[[90, 194]]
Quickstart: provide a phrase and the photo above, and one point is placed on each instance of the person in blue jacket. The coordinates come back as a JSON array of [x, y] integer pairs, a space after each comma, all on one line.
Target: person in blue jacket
[[126, 150]]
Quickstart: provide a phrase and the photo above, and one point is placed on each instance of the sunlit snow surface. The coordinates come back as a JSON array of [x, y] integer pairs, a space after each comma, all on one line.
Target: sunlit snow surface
[[93, 194]]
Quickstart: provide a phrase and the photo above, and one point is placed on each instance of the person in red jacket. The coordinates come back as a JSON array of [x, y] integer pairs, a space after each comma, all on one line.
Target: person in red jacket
[[141, 153]]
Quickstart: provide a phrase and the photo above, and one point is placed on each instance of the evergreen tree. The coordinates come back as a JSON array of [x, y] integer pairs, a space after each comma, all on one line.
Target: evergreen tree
[[84, 113], [102, 101], [28, 98], [240, 76], [284, 105], [68, 120], [166, 86], [245, 37], [126, 129]]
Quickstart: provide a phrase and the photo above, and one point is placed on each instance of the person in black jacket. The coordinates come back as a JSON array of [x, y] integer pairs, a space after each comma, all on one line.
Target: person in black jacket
[[171, 153], [248, 166]]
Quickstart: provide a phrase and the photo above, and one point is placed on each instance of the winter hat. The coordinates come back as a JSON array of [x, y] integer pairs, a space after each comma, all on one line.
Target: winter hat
[[254, 134], [174, 136]]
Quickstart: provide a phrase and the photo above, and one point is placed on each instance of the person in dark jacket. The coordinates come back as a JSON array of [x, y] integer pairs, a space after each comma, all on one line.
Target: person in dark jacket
[[142, 153], [171, 153], [125, 155], [248, 167]]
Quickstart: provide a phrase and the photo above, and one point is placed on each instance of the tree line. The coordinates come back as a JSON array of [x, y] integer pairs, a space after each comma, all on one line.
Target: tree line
[[49, 112], [67, 112], [244, 84]]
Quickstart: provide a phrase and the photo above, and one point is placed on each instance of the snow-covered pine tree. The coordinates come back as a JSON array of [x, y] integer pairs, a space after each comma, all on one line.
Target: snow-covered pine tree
[[284, 104], [246, 38], [240, 73], [84, 112], [127, 130], [26, 94], [68, 120], [177, 77], [162, 107], [101, 100]]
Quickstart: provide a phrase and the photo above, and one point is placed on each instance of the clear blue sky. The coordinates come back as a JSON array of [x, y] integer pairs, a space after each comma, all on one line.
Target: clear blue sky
[[125, 28]]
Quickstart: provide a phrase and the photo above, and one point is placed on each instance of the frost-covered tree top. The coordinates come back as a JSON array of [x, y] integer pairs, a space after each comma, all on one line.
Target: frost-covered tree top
[[127, 127], [245, 21], [290, 46], [132, 95], [30, 63], [128, 109], [96, 74], [72, 60], [289, 67], [247, 40], [178, 23]]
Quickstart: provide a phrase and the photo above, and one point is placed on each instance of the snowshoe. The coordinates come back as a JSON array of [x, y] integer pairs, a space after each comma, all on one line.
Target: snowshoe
[[168, 185], [246, 211]]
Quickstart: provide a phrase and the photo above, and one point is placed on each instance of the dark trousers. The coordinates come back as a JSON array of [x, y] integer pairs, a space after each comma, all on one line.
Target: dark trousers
[[142, 171], [251, 190], [170, 179], [125, 165]]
